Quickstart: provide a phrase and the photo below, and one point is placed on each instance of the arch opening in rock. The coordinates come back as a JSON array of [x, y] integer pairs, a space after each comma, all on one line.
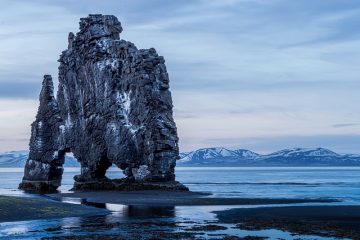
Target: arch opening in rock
[[71, 170]]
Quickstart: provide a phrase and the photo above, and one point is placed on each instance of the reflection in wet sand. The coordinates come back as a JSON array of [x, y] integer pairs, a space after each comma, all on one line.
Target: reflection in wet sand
[[14, 230], [68, 223], [137, 222], [129, 211]]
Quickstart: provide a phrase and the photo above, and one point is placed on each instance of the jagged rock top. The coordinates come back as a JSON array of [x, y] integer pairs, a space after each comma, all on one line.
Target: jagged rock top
[[96, 26]]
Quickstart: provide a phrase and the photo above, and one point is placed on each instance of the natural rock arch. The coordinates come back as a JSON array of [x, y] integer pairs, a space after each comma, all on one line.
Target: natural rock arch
[[113, 106]]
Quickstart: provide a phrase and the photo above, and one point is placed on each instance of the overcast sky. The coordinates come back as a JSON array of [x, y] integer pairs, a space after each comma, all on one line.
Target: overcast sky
[[257, 74]]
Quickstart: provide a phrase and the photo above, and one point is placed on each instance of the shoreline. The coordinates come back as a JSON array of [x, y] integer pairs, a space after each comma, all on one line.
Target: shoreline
[[59, 205], [177, 198]]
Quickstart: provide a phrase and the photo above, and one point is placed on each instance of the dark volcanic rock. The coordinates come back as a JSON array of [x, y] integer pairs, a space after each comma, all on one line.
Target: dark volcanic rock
[[113, 106], [44, 165]]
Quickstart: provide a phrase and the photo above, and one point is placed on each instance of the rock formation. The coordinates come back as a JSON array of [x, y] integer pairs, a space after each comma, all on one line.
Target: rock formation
[[113, 106]]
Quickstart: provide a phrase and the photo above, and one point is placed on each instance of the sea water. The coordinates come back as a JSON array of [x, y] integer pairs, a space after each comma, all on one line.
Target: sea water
[[250, 182], [342, 183]]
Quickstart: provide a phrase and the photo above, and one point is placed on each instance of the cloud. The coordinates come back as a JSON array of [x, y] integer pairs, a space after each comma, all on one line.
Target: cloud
[[341, 125], [255, 69], [184, 114], [5, 140], [22, 90]]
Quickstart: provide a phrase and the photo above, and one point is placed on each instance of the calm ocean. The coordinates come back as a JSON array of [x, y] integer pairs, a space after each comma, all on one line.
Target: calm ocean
[[288, 182], [341, 183]]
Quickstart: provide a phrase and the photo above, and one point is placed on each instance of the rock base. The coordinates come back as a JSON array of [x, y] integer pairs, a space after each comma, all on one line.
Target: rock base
[[39, 186], [125, 185]]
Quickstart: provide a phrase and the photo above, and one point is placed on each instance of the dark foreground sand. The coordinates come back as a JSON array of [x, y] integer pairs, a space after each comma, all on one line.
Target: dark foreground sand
[[329, 221], [165, 198], [21, 209]]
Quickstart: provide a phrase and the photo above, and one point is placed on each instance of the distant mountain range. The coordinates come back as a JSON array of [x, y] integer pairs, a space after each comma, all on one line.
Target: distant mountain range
[[301, 157], [222, 157], [18, 159]]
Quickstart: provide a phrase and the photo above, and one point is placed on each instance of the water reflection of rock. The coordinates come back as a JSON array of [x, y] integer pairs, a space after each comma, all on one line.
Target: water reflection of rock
[[134, 210], [68, 224], [146, 211], [124, 220]]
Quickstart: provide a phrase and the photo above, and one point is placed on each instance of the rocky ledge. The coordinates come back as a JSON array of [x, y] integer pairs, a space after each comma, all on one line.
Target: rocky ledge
[[126, 185], [113, 107]]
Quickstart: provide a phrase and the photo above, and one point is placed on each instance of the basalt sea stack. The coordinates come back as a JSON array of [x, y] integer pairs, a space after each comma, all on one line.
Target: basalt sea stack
[[113, 106]]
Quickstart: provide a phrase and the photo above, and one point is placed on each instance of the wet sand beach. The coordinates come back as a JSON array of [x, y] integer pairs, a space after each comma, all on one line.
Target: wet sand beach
[[25, 208], [327, 221]]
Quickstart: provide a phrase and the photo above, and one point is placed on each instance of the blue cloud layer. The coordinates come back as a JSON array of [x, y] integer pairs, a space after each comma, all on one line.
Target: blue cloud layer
[[241, 67]]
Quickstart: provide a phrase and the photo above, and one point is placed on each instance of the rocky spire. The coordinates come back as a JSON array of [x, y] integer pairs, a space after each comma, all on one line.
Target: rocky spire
[[44, 163], [43, 141], [113, 106]]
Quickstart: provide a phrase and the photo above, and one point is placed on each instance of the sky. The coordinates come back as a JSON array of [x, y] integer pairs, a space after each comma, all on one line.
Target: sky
[[256, 74]]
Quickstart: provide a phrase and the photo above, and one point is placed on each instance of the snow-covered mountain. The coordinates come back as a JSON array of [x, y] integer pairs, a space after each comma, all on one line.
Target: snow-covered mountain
[[246, 153], [208, 153], [304, 152], [18, 159], [287, 157], [217, 156], [13, 159], [220, 156]]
